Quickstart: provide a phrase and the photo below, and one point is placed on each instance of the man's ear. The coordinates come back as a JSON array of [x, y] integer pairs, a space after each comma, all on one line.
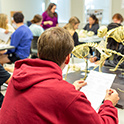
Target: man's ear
[[67, 59]]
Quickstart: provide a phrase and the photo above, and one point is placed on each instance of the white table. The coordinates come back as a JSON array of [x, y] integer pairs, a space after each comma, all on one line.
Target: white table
[[94, 38], [5, 47]]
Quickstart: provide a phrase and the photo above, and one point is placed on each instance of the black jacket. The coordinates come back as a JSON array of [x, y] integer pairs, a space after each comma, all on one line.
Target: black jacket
[[94, 28], [117, 58]]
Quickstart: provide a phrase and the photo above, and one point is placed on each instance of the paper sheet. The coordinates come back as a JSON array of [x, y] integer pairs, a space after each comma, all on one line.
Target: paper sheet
[[97, 84], [5, 47], [3, 36]]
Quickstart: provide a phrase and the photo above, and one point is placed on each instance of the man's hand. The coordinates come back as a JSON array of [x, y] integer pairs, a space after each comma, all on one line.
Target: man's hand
[[79, 84], [112, 95], [3, 51]]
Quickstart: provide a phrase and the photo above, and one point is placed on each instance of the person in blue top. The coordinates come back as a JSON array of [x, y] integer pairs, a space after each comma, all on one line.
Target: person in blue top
[[21, 39]]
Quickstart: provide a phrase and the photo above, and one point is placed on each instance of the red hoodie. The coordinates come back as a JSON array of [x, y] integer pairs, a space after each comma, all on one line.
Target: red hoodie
[[37, 94]]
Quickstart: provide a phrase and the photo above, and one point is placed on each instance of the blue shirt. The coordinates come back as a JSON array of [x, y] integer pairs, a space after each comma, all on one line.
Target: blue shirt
[[21, 39], [37, 30]]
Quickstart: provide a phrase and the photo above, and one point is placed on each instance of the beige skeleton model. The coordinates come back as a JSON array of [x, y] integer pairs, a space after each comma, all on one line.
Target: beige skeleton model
[[81, 51]]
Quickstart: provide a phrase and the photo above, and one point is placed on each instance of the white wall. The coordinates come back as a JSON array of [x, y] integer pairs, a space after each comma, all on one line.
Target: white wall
[[28, 7], [116, 7], [32, 7], [77, 9]]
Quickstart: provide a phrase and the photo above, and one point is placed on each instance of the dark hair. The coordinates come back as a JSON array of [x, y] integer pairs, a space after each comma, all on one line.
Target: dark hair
[[55, 44], [18, 17], [94, 18], [118, 17], [49, 10], [37, 18], [112, 44]]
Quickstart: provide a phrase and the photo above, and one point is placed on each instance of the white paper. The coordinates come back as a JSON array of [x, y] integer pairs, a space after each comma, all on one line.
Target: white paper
[[97, 84], [5, 47], [3, 36]]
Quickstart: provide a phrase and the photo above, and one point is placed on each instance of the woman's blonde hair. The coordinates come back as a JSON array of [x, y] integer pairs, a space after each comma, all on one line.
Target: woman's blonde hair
[[3, 18], [70, 25]]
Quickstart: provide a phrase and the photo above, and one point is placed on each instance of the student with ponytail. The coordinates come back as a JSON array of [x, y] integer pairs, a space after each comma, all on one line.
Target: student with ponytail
[[93, 24], [35, 28]]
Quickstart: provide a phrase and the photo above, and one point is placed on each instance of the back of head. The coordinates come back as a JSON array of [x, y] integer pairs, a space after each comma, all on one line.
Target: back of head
[[49, 10], [72, 21], [18, 17], [94, 18], [55, 44], [37, 18], [118, 17], [3, 19]]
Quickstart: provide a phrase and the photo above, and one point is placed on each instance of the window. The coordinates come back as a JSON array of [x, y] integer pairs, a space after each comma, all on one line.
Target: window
[[63, 10], [97, 4]]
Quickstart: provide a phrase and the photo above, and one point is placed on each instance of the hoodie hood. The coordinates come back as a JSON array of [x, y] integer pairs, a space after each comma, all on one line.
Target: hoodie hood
[[29, 72]]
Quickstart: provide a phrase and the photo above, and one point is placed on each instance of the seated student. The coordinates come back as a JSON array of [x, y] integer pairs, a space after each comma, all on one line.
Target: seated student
[[21, 39], [93, 24], [117, 18], [5, 25], [113, 45], [35, 27], [71, 26], [39, 95]]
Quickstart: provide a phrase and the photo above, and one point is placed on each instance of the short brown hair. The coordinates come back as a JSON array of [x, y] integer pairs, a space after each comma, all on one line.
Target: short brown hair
[[118, 17], [55, 44], [37, 18]]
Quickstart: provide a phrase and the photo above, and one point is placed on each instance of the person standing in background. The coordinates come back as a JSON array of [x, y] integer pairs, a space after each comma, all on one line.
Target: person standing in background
[[35, 27], [117, 18], [93, 24], [50, 17], [71, 26]]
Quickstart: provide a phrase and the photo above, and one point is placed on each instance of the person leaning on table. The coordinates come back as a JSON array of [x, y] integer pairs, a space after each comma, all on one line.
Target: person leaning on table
[[71, 26], [37, 93]]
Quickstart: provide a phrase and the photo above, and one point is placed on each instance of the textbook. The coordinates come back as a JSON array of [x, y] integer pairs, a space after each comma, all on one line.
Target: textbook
[[97, 84]]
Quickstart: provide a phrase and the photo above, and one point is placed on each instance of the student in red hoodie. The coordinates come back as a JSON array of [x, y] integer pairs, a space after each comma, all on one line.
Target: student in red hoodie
[[37, 94]]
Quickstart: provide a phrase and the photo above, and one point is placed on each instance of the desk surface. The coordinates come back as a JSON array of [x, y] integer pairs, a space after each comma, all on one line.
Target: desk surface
[[118, 82], [94, 38], [6, 47]]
